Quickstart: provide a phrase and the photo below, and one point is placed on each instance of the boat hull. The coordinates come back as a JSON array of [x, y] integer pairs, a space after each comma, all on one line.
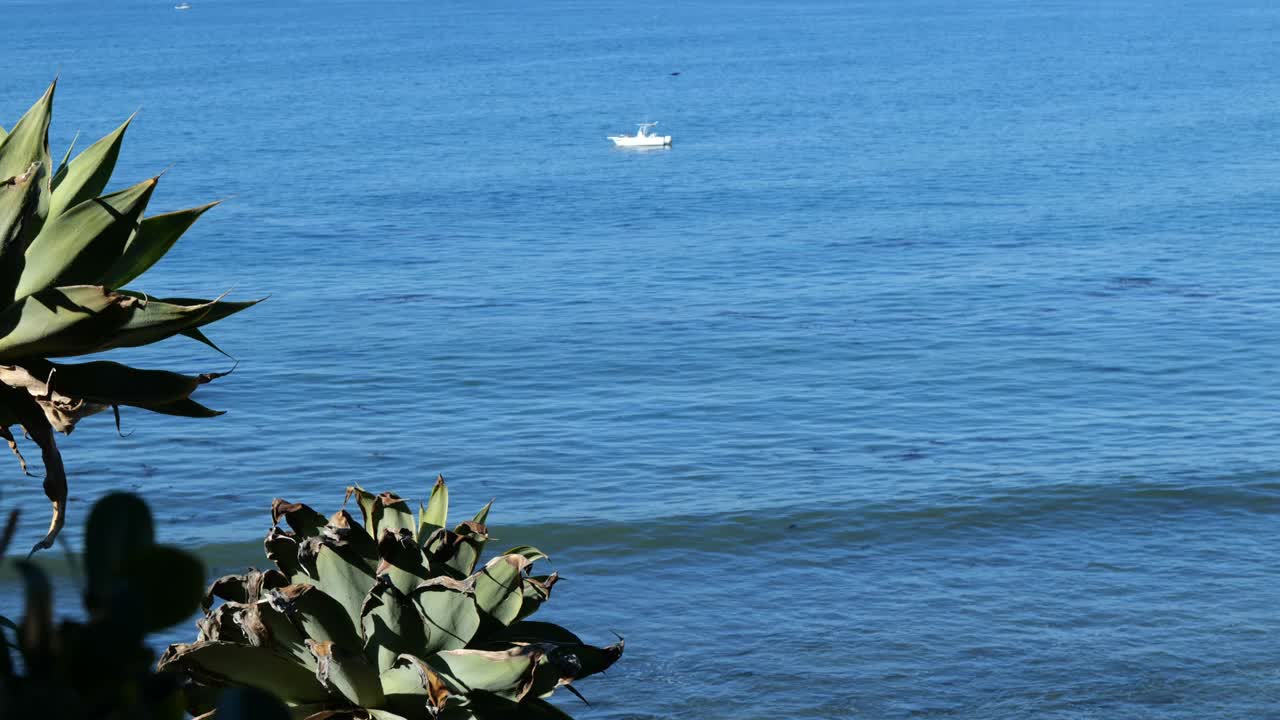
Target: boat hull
[[632, 141]]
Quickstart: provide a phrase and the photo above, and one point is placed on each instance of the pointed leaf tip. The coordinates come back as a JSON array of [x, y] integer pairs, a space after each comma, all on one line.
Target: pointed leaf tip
[[88, 174]]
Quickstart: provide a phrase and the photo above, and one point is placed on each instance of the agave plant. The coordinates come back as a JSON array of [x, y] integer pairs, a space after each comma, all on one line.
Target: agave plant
[[386, 619], [67, 250]]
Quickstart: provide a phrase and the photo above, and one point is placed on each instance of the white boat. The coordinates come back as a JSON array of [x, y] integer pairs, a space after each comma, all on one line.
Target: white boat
[[642, 138], [182, 6]]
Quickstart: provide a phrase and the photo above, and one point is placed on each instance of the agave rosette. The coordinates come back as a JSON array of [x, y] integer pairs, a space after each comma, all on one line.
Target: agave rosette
[[392, 616], [68, 249]]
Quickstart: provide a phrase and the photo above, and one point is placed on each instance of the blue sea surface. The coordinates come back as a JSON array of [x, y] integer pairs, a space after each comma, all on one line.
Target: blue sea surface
[[934, 372]]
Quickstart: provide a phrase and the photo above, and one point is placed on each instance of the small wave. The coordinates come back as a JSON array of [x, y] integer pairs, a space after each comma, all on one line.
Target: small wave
[[847, 524], [916, 518]]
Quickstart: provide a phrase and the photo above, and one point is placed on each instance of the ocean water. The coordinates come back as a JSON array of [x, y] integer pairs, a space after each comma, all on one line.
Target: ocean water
[[933, 372]]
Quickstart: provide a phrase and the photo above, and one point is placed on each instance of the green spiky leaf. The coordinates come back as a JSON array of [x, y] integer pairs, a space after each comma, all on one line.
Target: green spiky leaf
[[155, 236], [347, 674], [88, 174], [391, 514], [391, 626], [508, 673], [482, 516], [436, 513], [498, 588], [74, 247], [19, 222], [449, 614], [61, 173], [228, 664], [344, 579], [28, 142]]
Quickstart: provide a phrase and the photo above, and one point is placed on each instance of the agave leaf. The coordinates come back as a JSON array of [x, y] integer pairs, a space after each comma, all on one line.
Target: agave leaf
[[367, 502], [410, 685], [61, 321], [391, 626], [87, 176], [528, 552], [592, 660], [24, 153], [220, 625], [536, 591], [403, 689], [532, 631], [23, 407], [482, 517], [402, 563], [392, 514], [436, 513], [19, 223], [217, 308], [449, 614], [470, 540], [304, 521], [507, 673], [7, 419], [348, 536], [244, 588], [347, 673], [154, 320], [282, 549], [344, 580], [223, 664], [87, 318], [28, 142], [243, 594], [403, 679], [55, 479], [184, 408], [195, 334], [381, 512], [283, 633], [111, 383], [498, 588], [74, 247], [321, 617], [61, 173], [62, 411], [155, 236]]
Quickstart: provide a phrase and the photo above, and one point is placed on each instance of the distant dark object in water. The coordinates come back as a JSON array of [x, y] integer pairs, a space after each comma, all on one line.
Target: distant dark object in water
[[674, 74], [1132, 282]]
